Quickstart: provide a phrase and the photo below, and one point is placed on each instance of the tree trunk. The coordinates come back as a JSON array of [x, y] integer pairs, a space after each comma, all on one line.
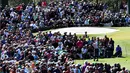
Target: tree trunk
[[97, 1]]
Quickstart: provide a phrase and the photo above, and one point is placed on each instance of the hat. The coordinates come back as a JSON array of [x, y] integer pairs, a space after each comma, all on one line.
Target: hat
[[49, 68], [76, 65], [85, 44], [43, 60], [85, 62], [57, 65], [79, 64], [37, 62], [17, 63]]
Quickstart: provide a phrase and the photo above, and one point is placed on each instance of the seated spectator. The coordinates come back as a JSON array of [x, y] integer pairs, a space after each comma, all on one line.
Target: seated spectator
[[124, 70], [23, 52], [118, 51]]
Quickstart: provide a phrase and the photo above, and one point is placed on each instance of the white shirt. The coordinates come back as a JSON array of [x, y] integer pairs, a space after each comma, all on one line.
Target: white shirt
[[4, 56], [38, 8], [12, 14], [59, 48], [75, 70], [95, 44], [34, 26], [52, 38]]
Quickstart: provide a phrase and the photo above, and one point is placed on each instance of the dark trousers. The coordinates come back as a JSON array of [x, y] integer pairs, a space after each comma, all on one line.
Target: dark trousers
[[95, 57], [118, 54], [96, 54], [84, 56], [108, 54]]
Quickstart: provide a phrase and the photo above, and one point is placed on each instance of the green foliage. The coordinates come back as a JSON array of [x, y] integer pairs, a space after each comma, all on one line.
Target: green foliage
[[16, 2], [112, 4]]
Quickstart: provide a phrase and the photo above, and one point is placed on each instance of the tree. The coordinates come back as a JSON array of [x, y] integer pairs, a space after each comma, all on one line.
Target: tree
[[4, 3], [16, 2], [113, 4]]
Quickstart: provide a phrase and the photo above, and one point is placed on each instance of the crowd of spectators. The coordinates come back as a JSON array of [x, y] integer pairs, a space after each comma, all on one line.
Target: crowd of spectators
[[42, 66], [57, 14], [23, 52]]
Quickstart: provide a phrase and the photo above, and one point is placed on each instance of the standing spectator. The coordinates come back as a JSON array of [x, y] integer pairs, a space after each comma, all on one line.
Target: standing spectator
[[84, 51], [79, 44], [96, 49], [111, 43], [23, 52]]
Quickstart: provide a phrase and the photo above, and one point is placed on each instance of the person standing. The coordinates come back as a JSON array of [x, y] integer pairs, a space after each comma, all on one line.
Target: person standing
[[96, 50], [84, 52], [111, 42]]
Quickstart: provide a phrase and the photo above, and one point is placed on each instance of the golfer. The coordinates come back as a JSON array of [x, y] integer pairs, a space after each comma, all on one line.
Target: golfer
[[96, 50]]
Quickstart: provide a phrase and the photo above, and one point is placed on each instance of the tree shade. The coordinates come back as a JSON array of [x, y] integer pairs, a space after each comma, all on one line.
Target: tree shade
[[129, 6], [4, 3]]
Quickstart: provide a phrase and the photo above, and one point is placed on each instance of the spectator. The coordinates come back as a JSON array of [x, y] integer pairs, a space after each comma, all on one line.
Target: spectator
[[96, 50], [111, 42], [118, 51], [22, 51]]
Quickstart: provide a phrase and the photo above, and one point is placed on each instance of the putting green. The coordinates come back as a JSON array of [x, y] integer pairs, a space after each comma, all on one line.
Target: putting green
[[121, 37]]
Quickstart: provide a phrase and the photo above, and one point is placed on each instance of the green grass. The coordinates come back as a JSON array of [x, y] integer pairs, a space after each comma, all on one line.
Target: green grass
[[125, 62], [121, 37]]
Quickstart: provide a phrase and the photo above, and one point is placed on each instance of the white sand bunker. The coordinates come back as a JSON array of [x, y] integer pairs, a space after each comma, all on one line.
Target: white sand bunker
[[82, 30]]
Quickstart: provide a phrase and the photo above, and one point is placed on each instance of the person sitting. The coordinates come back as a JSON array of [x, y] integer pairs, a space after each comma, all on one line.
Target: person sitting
[[118, 51], [124, 70]]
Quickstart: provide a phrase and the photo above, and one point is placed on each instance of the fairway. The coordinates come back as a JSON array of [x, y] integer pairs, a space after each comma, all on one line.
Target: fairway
[[121, 37]]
